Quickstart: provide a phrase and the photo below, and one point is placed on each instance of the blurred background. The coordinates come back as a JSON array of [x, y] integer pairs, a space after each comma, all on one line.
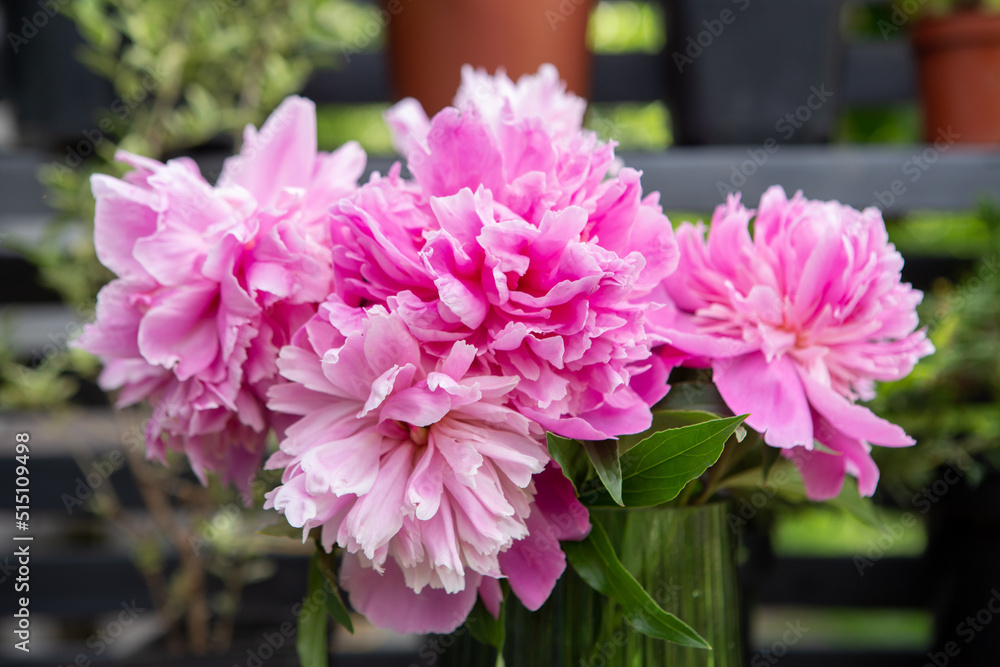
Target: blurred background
[[890, 104]]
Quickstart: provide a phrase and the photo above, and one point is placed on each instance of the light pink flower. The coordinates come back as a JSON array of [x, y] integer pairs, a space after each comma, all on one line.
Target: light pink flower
[[212, 281], [513, 240], [540, 96], [531, 566], [413, 464], [799, 322]]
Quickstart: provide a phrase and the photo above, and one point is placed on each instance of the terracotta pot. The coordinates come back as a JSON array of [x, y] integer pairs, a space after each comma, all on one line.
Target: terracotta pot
[[430, 40], [959, 61]]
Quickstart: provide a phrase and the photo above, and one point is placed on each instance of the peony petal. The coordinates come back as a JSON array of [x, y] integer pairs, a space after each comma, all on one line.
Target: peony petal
[[388, 603], [853, 420], [492, 595], [123, 214], [771, 393], [179, 332], [280, 156]]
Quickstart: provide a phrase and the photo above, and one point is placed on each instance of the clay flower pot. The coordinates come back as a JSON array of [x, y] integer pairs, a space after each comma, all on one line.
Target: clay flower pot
[[959, 61], [429, 41]]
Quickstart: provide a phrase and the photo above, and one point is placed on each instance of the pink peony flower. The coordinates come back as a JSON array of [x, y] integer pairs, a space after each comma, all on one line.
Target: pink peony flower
[[414, 464], [540, 96], [531, 566], [211, 282], [797, 323], [512, 240]]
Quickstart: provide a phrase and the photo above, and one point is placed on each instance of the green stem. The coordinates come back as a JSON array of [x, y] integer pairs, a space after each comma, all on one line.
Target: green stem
[[730, 457], [687, 492]]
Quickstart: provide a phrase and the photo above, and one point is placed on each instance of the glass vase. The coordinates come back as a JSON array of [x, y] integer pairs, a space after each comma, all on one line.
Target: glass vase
[[684, 557]]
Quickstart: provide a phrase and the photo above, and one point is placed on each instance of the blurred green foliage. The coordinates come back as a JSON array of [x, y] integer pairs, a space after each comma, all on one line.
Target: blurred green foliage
[[951, 402], [189, 70], [635, 127], [626, 27], [822, 531], [892, 124], [940, 234], [184, 73], [886, 20], [339, 123], [861, 629]]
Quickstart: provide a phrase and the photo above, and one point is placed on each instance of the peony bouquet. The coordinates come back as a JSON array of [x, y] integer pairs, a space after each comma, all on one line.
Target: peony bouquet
[[460, 358]]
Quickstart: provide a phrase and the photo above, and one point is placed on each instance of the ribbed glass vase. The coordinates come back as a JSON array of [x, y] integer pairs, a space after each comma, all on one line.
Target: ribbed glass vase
[[684, 557]]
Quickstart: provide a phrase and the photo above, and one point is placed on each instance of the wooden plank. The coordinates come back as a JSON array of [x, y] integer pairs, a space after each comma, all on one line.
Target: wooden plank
[[85, 583], [62, 487], [835, 657], [364, 79], [20, 190], [696, 178], [835, 582], [924, 178], [879, 72]]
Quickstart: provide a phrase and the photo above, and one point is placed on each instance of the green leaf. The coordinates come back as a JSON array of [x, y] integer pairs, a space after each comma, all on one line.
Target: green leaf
[[655, 470], [664, 420], [594, 559], [563, 450], [570, 456], [604, 455], [334, 603], [311, 643]]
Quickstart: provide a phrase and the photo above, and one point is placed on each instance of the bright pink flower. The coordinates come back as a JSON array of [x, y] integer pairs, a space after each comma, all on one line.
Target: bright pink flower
[[413, 464], [797, 324], [514, 241], [377, 235], [212, 281]]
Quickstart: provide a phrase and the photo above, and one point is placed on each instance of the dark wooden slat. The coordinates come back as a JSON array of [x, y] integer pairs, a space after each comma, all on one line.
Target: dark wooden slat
[[19, 281], [87, 583], [835, 582], [629, 77], [840, 658], [20, 190], [81, 586], [58, 483], [364, 79], [77, 584], [879, 72], [237, 655]]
